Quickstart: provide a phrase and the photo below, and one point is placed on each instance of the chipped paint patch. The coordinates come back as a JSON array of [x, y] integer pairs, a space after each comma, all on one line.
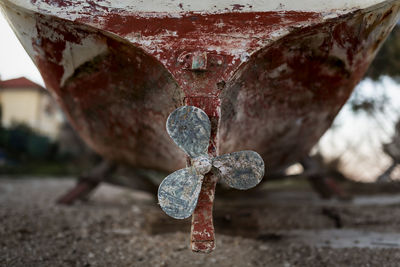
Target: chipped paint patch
[[76, 54]]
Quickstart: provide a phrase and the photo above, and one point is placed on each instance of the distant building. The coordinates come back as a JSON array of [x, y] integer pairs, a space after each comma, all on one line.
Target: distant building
[[23, 101]]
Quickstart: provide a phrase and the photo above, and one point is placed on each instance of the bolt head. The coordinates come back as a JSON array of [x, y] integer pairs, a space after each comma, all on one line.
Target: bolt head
[[202, 164]]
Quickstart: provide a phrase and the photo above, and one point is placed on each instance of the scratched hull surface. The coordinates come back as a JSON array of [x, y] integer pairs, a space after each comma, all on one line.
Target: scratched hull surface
[[272, 79]]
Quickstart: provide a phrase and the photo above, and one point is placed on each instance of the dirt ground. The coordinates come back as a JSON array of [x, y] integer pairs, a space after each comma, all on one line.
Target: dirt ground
[[275, 226]]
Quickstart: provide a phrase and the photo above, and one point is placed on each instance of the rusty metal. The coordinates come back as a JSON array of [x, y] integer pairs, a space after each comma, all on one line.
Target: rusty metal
[[202, 236], [87, 183], [115, 174], [270, 75], [81, 190]]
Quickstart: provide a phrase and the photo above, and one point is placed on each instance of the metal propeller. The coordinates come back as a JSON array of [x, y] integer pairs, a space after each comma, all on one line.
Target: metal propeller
[[190, 128]]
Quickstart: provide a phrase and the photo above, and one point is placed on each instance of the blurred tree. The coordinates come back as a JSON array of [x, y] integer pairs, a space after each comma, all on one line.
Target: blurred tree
[[392, 149], [379, 106], [387, 61], [21, 143]]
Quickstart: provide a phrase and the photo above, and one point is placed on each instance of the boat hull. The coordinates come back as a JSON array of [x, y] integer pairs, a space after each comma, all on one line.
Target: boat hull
[[271, 81]]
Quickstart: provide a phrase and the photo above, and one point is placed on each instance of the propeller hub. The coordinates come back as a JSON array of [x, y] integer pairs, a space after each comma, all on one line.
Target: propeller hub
[[202, 164]]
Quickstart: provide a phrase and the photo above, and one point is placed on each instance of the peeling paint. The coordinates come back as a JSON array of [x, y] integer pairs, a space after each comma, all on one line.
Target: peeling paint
[[74, 55], [210, 6]]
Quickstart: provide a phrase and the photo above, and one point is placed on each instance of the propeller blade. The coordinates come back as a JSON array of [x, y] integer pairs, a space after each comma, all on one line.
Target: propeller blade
[[190, 128], [240, 170], [179, 191]]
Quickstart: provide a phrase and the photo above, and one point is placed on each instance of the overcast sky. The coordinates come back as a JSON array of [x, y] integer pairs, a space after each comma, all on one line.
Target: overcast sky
[[14, 61]]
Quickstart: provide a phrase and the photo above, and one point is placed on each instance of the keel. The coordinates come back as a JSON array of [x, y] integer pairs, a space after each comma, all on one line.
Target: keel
[[202, 237]]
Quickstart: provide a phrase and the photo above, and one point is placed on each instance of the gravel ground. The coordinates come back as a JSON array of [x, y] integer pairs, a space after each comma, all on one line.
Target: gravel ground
[[119, 227]]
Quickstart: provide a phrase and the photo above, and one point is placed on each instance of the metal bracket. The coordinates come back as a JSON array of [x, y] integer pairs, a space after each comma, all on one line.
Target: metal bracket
[[200, 61]]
